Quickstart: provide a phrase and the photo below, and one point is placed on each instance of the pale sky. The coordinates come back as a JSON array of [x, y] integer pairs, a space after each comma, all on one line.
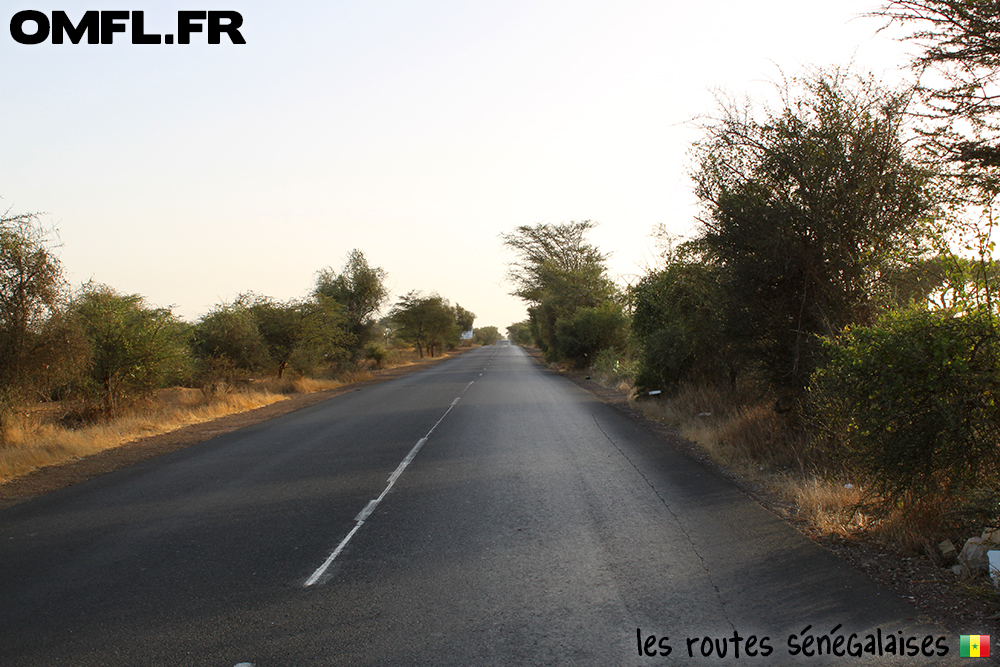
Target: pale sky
[[415, 131]]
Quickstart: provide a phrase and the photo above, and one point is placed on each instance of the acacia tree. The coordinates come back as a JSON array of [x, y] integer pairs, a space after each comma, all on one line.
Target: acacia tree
[[280, 327], [958, 67], [677, 323], [808, 212], [133, 345], [228, 340], [464, 319], [425, 322], [960, 125], [557, 272], [360, 289], [39, 346], [519, 333], [256, 332], [485, 335]]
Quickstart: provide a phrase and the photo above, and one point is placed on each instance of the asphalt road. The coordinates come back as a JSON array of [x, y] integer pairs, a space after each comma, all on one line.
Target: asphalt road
[[484, 511]]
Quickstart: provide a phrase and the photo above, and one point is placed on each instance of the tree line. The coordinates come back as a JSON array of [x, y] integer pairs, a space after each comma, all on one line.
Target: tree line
[[108, 349], [841, 267]]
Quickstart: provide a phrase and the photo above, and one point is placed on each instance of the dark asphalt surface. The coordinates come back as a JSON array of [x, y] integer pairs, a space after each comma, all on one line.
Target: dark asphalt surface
[[534, 526]]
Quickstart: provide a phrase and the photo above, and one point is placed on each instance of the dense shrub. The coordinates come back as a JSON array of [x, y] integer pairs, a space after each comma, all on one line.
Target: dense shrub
[[485, 335], [519, 333], [910, 403], [229, 337], [376, 353], [809, 211], [581, 337], [134, 347], [676, 325]]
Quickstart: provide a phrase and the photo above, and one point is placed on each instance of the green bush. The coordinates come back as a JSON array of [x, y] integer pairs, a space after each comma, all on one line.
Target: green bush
[[581, 337], [134, 347], [910, 403], [485, 335], [229, 334], [519, 333], [376, 353], [676, 326]]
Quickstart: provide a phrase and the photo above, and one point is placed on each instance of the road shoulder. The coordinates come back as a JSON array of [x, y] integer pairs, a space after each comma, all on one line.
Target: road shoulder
[[936, 592]]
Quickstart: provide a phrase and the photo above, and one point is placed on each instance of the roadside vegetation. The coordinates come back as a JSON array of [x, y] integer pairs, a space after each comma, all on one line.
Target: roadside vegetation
[[829, 327], [87, 369]]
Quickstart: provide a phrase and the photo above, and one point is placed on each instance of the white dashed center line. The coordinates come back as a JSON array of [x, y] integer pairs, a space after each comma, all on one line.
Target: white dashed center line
[[372, 504]]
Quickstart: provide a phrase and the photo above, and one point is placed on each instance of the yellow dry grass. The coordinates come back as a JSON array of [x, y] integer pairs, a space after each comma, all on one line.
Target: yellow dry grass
[[758, 445], [30, 443], [306, 385], [34, 439]]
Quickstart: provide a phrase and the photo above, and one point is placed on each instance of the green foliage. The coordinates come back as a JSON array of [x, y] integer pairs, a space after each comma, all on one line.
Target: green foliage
[[485, 335], [322, 333], [557, 273], [360, 289], [280, 326], [912, 403], [40, 347], [808, 213], [677, 325], [588, 331], [376, 353], [256, 333], [228, 337], [425, 322], [464, 319], [133, 346], [519, 333]]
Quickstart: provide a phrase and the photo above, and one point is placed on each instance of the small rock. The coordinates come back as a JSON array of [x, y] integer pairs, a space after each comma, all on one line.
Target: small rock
[[948, 550], [704, 414], [991, 535], [973, 557]]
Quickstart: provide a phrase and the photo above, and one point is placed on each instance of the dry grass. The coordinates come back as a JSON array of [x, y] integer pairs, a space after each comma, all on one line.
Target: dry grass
[[32, 442], [762, 447], [350, 377], [832, 507], [42, 437]]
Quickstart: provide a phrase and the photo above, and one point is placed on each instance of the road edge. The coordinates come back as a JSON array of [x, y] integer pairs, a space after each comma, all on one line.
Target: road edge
[[49, 479]]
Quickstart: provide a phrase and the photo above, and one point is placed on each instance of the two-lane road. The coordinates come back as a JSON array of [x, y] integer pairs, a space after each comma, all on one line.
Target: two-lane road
[[482, 512]]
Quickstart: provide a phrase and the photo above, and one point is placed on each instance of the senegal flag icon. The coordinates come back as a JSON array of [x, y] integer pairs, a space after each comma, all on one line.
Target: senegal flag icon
[[975, 646]]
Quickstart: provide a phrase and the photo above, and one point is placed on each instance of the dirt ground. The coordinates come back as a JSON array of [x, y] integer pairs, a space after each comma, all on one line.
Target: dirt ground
[[935, 592]]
